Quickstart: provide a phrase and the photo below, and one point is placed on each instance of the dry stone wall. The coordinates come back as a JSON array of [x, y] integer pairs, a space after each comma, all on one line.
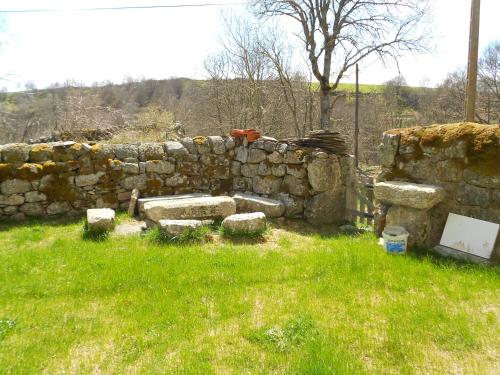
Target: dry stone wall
[[463, 159], [68, 177]]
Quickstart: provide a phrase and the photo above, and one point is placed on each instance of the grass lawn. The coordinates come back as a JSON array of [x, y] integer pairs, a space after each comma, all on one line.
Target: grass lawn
[[298, 302]]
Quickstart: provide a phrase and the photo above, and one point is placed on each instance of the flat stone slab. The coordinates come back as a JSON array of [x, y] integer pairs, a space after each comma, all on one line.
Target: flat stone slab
[[142, 201], [176, 227], [254, 203], [245, 223], [100, 219], [409, 194], [190, 208], [130, 228]]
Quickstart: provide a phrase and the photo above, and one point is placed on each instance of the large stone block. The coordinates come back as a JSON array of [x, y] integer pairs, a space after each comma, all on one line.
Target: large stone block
[[241, 154], [151, 151], [15, 152], [100, 219], [15, 186], [41, 152], [254, 222], [188, 143], [324, 208], [176, 149], [253, 203], [294, 186], [250, 170], [294, 206], [32, 209], [35, 196], [217, 144], [88, 179], [56, 208], [473, 195], [190, 208], [266, 185], [409, 194], [11, 200], [389, 149], [415, 221], [488, 181], [126, 151], [324, 174], [159, 166], [256, 155], [134, 182]]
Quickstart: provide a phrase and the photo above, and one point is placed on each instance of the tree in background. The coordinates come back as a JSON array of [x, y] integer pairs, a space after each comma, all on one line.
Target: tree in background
[[489, 69], [338, 34]]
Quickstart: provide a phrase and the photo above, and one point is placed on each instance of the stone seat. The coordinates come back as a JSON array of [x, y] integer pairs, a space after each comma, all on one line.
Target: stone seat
[[409, 194], [189, 208], [142, 201], [253, 222], [254, 203], [100, 219]]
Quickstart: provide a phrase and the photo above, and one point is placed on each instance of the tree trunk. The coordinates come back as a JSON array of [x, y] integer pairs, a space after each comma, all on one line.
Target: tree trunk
[[325, 107]]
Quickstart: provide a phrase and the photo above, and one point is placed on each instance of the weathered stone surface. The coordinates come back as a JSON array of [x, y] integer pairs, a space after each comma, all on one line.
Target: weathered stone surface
[[41, 152], [265, 168], [10, 210], [176, 180], [266, 185], [256, 156], [35, 196], [449, 170], [278, 170], [294, 206], [15, 186], [130, 228], [472, 195], [275, 158], [176, 149], [132, 182], [254, 222], [415, 221], [15, 152], [217, 144], [250, 170], [324, 174], [324, 208], [474, 178], [142, 201], [56, 208], [389, 149], [188, 143], [409, 194], [11, 200], [130, 168], [190, 208], [160, 167], [125, 151], [151, 151], [177, 227], [294, 186], [88, 179], [296, 170], [253, 203], [229, 143], [456, 150], [189, 168], [241, 154], [100, 219], [294, 157], [134, 197], [32, 209], [236, 168], [242, 183], [202, 145]]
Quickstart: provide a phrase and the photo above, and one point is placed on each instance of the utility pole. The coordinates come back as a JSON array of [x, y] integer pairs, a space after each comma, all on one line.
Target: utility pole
[[470, 105], [356, 120]]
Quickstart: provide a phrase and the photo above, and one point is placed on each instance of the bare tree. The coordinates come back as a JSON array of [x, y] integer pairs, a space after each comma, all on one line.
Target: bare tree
[[489, 69], [341, 33]]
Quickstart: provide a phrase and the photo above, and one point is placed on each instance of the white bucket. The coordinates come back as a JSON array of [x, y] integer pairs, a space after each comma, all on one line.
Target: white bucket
[[395, 239]]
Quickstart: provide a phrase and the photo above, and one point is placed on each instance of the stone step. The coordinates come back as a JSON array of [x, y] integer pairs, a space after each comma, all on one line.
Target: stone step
[[409, 194], [190, 208], [254, 203], [142, 201], [253, 222], [177, 227]]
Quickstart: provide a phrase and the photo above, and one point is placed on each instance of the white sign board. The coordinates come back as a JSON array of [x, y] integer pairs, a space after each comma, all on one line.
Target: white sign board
[[470, 235]]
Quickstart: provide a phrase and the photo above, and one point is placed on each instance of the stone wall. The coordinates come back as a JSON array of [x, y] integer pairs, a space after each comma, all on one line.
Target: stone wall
[[463, 159], [68, 177]]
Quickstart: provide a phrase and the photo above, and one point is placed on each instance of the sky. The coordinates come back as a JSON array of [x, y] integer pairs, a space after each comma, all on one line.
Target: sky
[[110, 45]]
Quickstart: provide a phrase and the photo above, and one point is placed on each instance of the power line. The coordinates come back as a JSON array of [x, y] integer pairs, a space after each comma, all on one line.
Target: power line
[[119, 8]]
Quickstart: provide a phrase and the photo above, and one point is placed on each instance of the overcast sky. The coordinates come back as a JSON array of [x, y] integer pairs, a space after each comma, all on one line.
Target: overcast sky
[[160, 43]]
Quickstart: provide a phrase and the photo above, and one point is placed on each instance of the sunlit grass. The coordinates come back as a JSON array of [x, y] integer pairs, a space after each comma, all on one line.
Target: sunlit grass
[[295, 302]]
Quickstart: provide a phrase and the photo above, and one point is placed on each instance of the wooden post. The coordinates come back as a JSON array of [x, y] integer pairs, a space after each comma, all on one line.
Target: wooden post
[[470, 105], [356, 120]]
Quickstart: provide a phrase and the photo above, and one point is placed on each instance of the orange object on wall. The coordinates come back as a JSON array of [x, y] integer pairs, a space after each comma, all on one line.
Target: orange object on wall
[[251, 134]]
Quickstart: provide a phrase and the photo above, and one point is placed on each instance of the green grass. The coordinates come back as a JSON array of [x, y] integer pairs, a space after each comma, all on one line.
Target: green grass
[[298, 302]]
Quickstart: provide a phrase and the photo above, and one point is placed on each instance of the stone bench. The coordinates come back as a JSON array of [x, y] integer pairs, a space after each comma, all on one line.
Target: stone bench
[[253, 203], [409, 204], [189, 208], [142, 201]]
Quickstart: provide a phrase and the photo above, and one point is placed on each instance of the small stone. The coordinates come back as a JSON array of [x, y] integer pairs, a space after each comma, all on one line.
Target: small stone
[[130, 168], [241, 154], [229, 143], [294, 206], [296, 170], [217, 144], [202, 145], [176, 149], [41, 152], [32, 209], [15, 153], [132, 182], [35, 196], [473, 195], [176, 180], [275, 158], [125, 151], [151, 151], [256, 156], [160, 167], [281, 148], [236, 168], [294, 186], [123, 196], [134, 196], [389, 149], [15, 186], [56, 208], [89, 179], [266, 185], [100, 219], [178, 227], [265, 168], [10, 210], [189, 145], [278, 170], [294, 157], [11, 200], [254, 222], [249, 170]]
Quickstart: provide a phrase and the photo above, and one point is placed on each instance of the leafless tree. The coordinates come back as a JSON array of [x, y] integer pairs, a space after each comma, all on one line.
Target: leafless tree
[[489, 69], [338, 34]]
